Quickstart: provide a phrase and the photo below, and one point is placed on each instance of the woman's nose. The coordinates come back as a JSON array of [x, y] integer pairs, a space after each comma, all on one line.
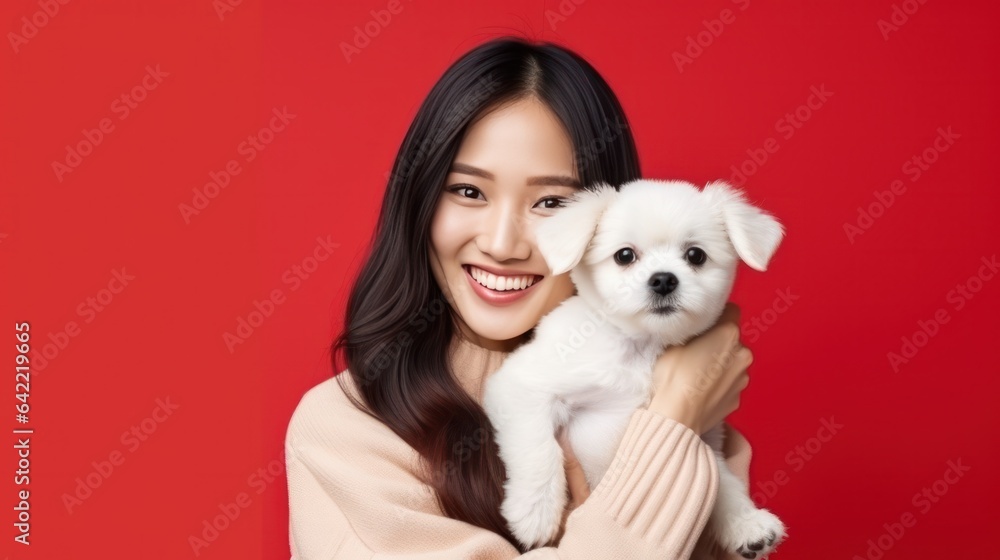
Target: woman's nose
[[505, 235]]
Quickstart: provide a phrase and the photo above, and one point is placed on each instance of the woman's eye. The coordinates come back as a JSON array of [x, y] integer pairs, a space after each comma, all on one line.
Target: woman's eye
[[558, 202], [465, 191], [469, 191]]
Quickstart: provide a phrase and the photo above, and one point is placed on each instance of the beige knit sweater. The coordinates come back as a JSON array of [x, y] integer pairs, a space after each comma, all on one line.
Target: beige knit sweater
[[354, 494]]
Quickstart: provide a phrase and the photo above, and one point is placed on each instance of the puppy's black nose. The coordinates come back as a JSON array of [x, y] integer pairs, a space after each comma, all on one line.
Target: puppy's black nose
[[663, 282]]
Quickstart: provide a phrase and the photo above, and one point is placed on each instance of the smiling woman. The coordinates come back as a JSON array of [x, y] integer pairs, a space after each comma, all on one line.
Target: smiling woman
[[395, 455], [515, 166]]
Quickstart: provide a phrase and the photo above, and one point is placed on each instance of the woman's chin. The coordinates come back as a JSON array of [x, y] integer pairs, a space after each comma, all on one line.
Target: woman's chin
[[490, 333], [498, 331]]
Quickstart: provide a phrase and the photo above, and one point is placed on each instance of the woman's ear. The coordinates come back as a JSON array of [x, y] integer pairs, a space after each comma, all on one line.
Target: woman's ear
[[563, 237], [755, 234]]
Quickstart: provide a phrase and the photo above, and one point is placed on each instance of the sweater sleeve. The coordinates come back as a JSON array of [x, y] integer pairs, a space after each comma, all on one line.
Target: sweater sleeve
[[655, 499], [354, 494]]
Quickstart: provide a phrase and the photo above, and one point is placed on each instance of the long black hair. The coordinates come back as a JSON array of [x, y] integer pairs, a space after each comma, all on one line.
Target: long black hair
[[397, 332]]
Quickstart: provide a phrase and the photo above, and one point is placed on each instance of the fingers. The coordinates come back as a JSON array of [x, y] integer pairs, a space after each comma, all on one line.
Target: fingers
[[741, 361], [743, 381], [735, 407], [727, 329], [731, 314], [743, 357]]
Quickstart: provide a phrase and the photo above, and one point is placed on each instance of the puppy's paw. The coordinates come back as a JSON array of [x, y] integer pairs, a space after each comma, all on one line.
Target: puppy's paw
[[533, 520], [753, 534]]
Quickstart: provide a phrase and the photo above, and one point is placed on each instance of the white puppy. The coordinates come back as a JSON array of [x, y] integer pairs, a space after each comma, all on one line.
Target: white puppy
[[653, 264]]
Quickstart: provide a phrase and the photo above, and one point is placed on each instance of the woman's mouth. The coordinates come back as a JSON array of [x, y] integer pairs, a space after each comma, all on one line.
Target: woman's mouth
[[500, 290]]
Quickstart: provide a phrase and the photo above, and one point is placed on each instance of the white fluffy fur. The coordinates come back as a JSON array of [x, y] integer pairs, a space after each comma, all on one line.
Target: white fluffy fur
[[589, 365]]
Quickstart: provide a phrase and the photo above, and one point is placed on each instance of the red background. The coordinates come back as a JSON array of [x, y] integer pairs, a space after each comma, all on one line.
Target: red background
[[826, 356]]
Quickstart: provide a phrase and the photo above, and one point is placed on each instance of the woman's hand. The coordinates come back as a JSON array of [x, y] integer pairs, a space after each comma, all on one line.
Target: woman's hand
[[576, 480], [699, 383]]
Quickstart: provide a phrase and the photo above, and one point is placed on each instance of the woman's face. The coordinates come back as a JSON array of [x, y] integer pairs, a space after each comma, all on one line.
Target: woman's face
[[514, 167]]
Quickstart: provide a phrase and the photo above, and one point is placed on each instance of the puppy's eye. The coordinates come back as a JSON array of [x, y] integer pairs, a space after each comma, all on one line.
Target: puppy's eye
[[624, 256], [695, 256]]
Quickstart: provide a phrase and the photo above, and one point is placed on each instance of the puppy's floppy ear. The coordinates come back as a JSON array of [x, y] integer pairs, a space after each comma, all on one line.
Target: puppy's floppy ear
[[563, 237], [755, 234]]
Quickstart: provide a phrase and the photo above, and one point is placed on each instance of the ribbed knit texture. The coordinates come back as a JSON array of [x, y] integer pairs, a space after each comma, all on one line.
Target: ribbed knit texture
[[354, 492]]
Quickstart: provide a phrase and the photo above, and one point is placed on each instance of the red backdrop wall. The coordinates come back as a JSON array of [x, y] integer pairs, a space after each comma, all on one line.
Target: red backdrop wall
[[140, 225]]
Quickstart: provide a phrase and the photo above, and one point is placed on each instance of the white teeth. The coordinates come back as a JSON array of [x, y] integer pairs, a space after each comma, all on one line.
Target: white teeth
[[501, 283]]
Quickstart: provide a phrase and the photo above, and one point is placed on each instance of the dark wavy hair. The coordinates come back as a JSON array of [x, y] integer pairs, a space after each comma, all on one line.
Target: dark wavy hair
[[396, 333]]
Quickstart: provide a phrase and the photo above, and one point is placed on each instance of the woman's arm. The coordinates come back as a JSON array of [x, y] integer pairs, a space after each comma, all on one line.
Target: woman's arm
[[736, 450], [353, 494], [697, 385], [660, 487]]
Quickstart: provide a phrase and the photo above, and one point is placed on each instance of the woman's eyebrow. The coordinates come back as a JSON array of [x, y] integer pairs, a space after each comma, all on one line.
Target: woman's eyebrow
[[553, 180]]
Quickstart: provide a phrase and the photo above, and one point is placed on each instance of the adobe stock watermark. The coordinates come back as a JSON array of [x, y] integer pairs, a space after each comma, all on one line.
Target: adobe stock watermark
[[413, 501], [958, 297], [594, 319], [293, 277], [582, 159], [923, 501], [44, 353], [563, 10], [783, 301], [714, 370], [225, 7], [131, 440], [796, 459], [363, 35], [229, 511], [461, 452], [461, 112], [785, 126], [30, 26], [898, 17], [388, 352], [696, 44], [914, 168], [577, 337], [587, 155], [122, 107], [248, 149]]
